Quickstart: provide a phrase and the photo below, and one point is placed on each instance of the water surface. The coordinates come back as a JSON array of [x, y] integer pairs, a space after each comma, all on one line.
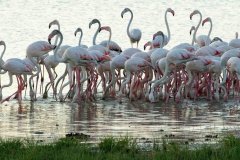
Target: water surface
[[25, 21]]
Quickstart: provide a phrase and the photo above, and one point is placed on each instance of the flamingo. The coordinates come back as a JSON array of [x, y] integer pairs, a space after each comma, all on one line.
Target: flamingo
[[18, 67], [135, 34], [201, 40], [51, 63], [76, 56], [118, 62], [112, 45], [135, 65], [175, 58], [163, 41], [233, 66], [36, 50]]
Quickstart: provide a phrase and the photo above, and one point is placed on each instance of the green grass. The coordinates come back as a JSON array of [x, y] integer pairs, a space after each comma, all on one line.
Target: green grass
[[124, 148]]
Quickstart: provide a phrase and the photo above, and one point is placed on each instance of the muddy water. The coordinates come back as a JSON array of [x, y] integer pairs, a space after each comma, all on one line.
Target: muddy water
[[190, 121], [25, 21]]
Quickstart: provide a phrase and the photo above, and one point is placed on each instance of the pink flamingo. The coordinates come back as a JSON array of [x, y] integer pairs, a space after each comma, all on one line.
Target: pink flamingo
[[36, 50], [18, 67], [175, 58]]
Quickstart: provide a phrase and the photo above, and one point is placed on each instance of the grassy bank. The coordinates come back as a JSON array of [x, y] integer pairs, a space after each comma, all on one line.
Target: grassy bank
[[116, 149]]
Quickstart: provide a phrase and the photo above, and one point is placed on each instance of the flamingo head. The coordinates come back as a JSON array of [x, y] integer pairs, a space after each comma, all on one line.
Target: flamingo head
[[192, 29], [124, 11], [2, 43], [93, 22], [159, 33], [171, 11], [206, 20], [149, 43], [54, 22], [52, 34], [107, 28], [77, 30], [216, 39], [193, 13]]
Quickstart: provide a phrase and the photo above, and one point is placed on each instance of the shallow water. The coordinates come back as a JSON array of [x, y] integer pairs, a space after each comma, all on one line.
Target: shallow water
[[25, 21]]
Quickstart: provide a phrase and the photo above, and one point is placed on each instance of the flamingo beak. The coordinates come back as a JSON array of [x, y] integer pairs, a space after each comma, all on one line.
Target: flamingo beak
[[144, 47], [49, 40], [154, 36], [191, 16]]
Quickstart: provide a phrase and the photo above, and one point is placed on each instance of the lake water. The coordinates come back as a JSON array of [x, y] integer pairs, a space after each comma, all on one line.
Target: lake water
[[25, 21]]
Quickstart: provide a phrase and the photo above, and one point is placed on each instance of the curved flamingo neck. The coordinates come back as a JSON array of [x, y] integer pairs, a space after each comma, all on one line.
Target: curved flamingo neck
[[80, 39], [193, 39], [210, 30], [168, 30], [57, 37], [58, 46], [4, 49], [109, 39], [200, 20], [96, 33], [129, 23]]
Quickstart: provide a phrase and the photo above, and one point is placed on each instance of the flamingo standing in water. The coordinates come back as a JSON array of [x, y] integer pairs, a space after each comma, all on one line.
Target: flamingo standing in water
[[233, 66], [174, 59], [135, 34], [159, 40], [51, 63], [37, 50], [18, 67]]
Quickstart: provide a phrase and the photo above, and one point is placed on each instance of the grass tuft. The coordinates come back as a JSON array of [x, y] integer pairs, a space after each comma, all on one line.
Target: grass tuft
[[123, 148]]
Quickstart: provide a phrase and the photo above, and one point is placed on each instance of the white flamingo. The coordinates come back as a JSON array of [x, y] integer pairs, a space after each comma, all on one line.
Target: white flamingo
[[133, 34], [163, 41], [201, 40], [37, 50]]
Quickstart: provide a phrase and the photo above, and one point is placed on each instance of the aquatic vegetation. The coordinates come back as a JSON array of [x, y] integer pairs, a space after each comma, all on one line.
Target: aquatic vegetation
[[124, 148]]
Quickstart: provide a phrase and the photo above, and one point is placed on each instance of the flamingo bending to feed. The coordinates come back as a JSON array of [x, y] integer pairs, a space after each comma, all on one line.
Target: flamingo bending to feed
[[136, 65], [117, 63], [133, 34], [175, 58]]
